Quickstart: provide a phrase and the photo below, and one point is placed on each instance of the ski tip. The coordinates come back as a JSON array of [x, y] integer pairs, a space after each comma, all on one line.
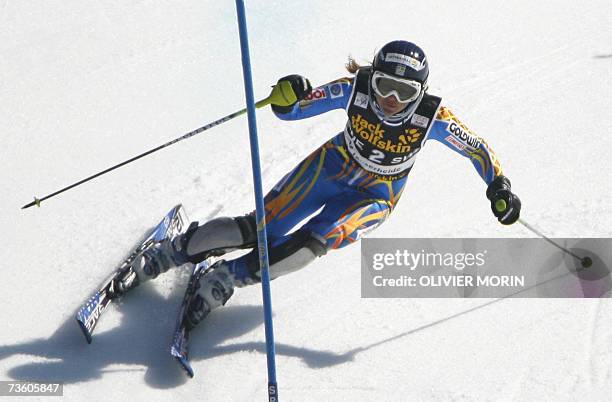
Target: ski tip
[[186, 366], [190, 372], [86, 333], [183, 360]]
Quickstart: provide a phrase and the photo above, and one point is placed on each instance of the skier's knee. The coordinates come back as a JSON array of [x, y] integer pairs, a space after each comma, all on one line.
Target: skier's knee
[[217, 237], [248, 228], [299, 250]]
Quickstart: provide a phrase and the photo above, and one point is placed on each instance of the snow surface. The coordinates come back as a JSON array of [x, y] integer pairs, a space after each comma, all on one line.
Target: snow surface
[[84, 85]]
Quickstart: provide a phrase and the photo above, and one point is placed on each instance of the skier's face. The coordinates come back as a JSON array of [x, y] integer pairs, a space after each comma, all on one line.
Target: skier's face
[[390, 105]]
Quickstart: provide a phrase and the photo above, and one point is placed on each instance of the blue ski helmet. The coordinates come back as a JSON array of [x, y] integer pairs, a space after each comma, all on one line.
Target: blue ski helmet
[[404, 60]]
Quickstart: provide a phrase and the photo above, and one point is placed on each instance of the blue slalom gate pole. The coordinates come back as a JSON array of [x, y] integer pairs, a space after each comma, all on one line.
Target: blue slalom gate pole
[[262, 240]]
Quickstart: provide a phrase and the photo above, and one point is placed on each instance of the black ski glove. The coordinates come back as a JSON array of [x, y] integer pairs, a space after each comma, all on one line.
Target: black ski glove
[[505, 205], [301, 88]]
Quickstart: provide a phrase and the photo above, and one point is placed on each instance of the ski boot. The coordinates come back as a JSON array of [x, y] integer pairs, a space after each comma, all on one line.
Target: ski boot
[[214, 289], [154, 260]]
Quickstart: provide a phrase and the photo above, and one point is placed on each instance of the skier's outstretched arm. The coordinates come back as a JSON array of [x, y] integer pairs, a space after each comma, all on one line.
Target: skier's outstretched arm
[[312, 102], [450, 131]]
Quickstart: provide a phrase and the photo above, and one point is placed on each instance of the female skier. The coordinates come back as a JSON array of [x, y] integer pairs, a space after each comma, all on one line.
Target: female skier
[[357, 177]]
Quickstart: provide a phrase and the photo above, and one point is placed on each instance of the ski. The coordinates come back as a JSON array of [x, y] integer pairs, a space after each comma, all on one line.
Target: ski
[[88, 315], [180, 339]]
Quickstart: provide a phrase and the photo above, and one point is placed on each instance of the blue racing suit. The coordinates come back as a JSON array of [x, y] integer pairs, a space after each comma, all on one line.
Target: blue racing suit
[[356, 178]]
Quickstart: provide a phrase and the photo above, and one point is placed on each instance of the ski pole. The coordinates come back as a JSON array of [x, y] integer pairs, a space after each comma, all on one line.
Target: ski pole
[[585, 262], [281, 95]]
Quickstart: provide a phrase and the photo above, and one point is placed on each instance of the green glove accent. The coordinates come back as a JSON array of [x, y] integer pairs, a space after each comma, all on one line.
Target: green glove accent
[[282, 94], [500, 205]]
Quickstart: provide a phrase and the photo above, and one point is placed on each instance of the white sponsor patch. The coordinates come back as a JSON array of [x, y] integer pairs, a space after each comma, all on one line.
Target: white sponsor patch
[[420, 121], [454, 142], [361, 100], [411, 62]]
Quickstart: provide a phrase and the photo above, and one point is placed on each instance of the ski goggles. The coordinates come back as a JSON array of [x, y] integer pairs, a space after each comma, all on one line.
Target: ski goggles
[[404, 90]]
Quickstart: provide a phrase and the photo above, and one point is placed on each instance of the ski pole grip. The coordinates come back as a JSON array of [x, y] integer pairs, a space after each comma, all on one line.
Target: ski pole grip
[[282, 94]]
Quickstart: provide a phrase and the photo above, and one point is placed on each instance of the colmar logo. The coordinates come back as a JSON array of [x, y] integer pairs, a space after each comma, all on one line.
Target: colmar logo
[[462, 135]]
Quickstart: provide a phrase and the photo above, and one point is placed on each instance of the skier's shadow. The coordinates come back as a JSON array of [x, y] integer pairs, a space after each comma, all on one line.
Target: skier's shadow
[[142, 337], [141, 342]]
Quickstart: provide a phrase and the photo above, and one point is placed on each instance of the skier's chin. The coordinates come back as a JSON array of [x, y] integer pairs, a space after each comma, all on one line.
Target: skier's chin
[[392, 110], [390, 107]]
